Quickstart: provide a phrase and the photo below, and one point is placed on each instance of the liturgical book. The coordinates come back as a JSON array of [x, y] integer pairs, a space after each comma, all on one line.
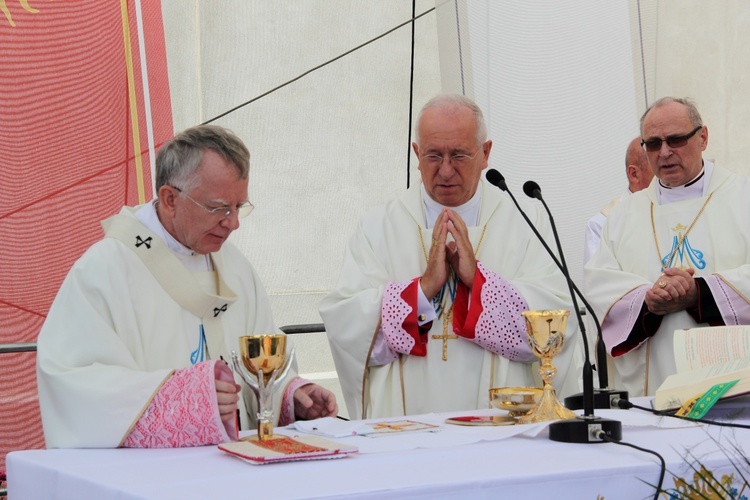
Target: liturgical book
[[705, 358]]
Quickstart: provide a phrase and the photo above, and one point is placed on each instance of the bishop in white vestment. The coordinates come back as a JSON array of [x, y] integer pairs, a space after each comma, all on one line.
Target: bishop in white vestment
[[133, 352]]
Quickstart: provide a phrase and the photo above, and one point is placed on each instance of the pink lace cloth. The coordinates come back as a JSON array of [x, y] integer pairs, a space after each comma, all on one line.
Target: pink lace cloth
[[185, 411]]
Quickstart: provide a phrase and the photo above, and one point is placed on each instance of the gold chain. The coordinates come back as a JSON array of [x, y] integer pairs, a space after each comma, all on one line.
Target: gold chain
[[680, 239]]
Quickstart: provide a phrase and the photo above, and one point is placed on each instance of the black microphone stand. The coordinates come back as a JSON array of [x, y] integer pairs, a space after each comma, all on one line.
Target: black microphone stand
[[603, 397], [585, 428]]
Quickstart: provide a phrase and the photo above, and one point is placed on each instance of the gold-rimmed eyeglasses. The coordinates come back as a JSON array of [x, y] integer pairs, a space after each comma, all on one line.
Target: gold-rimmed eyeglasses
[[456, 161], [222, 212]]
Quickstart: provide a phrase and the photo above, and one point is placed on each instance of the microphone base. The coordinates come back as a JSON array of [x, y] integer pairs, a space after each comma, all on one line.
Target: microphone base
[[585, 429], [602, 399]]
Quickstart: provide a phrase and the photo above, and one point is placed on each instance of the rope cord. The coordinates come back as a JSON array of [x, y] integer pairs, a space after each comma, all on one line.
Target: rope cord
[[239, 106]]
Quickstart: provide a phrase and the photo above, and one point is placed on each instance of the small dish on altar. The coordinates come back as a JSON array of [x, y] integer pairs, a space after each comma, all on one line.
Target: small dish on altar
[[481, 420], [516, 400]]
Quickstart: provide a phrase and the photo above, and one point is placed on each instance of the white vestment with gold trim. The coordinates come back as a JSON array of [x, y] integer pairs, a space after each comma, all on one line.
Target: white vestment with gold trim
[[385, 248], [717, 247]]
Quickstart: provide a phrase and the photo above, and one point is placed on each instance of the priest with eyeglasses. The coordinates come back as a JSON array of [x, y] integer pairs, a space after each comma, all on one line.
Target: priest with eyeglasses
[[133, 351], [426, 315], [675, 255]]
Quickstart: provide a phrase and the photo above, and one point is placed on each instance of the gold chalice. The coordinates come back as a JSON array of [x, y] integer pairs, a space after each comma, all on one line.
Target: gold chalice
[[264, 363], [546, 331], [517, 401]]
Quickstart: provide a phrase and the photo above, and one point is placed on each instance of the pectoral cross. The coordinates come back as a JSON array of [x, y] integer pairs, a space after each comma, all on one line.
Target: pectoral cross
[[447, 320]]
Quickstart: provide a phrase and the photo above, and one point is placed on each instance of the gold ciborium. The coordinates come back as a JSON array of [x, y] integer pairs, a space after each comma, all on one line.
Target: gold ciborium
[[517, 401], [262, 363], [546, 331]]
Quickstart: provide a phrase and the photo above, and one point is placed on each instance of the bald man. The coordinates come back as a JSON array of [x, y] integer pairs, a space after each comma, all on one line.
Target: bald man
[[639, 175]]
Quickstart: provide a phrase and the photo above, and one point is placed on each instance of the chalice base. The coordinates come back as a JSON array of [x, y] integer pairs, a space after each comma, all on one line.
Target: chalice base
[[548, 408], [265, 430], [257, 438]]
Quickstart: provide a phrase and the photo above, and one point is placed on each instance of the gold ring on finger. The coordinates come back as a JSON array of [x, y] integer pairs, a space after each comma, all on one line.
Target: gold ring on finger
[[662, 284], [434, 242]]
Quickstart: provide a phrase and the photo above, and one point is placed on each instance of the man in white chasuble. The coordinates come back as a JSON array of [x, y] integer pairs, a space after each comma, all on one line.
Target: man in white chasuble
[[132, 351], [675, 255], [426, 316]]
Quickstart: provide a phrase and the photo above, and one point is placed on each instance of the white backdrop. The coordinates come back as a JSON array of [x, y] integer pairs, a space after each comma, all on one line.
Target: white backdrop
[[563, 83], [555, 82]]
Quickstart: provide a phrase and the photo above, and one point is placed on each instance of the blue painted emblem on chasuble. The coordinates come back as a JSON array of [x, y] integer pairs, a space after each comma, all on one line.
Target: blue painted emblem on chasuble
[[682, 254], [199, 354]]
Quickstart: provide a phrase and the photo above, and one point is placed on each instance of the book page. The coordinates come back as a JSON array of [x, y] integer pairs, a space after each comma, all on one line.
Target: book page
[[680, 387], [698, 347]]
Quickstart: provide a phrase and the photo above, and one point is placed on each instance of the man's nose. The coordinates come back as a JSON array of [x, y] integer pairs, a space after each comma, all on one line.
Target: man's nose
[[446, 168], [231, 221], [665, 150]]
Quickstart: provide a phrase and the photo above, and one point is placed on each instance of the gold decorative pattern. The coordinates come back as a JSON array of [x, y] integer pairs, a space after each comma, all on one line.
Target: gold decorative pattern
[[704, 486], [6, 11], [287, 446]]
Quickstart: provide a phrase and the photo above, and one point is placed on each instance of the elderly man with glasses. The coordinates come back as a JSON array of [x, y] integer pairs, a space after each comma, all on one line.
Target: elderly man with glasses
[[132, 352], [426, 316], [673, 256]]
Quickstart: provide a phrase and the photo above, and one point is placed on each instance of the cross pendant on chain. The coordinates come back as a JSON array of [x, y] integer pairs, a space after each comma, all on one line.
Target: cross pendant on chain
[[445, 336]]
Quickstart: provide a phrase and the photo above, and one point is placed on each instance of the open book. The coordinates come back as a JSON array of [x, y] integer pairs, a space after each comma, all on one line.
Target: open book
[[706, 357]]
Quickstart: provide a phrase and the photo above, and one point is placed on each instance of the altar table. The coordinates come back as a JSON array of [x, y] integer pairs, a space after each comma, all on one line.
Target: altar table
[[454, 462]]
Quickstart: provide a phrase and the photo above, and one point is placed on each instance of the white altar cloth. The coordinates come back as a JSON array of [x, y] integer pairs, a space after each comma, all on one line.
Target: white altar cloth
[[455, 462]]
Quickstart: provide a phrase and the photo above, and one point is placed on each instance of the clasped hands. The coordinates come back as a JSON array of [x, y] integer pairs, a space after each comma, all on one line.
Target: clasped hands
[[674, 291], [445, 255]]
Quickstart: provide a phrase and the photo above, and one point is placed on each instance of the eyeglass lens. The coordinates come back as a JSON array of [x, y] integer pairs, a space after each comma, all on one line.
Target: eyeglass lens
[[674, 142]]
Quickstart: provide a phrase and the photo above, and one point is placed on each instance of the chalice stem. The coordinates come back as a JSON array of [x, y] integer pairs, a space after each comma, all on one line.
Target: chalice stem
[[548, 408], [265, 410]]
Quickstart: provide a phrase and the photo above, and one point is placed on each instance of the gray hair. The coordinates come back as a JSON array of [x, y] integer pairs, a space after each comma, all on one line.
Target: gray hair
[[695, 117], [459, 101], [179, 158]]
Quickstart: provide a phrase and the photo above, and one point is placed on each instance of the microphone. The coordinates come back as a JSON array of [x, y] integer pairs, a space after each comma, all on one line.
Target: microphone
[[586, 428], [603, 397], [533, 190], [496, 179]]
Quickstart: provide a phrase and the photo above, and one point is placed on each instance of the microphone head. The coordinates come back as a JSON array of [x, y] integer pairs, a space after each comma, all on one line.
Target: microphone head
[[496, 179], [532, 190]]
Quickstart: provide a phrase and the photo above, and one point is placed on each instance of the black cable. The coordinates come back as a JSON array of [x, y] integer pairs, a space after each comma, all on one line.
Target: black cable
[[626, 405], [663, 469], [317, 67], [411, 92]]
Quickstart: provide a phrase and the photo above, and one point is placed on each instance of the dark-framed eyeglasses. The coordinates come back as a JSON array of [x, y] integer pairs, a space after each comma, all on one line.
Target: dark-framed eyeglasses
[[456, 161], [673, 141], [221, 212]]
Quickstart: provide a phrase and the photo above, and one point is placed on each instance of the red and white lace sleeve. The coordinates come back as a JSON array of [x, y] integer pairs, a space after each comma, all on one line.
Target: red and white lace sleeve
[[399, 323], [492, 319]]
